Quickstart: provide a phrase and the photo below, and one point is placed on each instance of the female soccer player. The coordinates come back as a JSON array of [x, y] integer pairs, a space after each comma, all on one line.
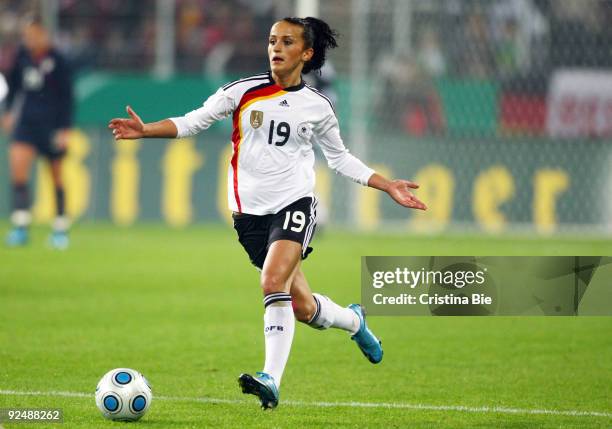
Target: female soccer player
[[39, 117], [276, 118]]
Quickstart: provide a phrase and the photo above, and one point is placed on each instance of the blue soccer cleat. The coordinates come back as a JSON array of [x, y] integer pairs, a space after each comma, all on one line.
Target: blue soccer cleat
[[369, 345], [59, 240], [262, 386], [18, 236]]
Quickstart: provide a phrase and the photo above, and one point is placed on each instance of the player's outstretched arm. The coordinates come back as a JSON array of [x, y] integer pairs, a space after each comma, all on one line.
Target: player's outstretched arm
[[134, 128], [399, 190]]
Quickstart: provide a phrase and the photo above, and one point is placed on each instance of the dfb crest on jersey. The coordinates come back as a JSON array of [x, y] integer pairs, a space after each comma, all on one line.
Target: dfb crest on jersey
[[256, 118], [304, 130]]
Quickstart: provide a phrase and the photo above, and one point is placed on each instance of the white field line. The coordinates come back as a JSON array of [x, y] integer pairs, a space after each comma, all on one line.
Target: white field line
[[392, 405]]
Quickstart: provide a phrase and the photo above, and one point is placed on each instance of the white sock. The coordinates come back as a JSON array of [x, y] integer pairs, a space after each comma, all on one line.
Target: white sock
[[279, 325], [21, 218], [331, 315], [61, 223]]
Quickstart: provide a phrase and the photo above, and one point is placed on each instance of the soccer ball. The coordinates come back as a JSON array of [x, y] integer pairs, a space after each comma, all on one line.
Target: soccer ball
[[123, 394]]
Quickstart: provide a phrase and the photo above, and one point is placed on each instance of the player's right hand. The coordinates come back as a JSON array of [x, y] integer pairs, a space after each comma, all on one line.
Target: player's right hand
[[8, 120], [127, 128]]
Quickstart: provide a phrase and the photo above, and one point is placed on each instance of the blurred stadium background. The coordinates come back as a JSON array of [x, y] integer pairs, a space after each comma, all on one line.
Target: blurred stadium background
[[500, 109]]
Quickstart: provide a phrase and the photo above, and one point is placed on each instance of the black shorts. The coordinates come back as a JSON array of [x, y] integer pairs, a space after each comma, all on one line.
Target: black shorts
[[42, 137], [296, 222]]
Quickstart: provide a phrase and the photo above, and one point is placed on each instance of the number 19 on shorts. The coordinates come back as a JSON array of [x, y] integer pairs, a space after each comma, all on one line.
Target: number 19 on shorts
[[296, 220]]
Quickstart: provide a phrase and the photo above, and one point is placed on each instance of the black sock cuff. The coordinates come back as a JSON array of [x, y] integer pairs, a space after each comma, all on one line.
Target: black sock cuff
[[21, 196], [60, 200], [276, 297], [317, 311]]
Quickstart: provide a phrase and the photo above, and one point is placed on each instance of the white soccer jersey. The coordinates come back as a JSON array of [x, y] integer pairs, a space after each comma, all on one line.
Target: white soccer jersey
[[273, 130]]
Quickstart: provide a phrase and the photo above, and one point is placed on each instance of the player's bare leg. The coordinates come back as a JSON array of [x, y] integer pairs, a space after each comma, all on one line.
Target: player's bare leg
[[321, 312], [21, 157], [279, 269], [59, 236], [280, 266], [304, 304]]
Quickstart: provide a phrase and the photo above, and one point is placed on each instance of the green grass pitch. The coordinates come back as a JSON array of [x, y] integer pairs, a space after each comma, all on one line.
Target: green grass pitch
[[184, 308]]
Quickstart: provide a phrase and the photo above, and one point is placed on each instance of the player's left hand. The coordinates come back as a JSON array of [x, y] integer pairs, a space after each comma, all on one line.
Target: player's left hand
[[399, 190], [60, 139]]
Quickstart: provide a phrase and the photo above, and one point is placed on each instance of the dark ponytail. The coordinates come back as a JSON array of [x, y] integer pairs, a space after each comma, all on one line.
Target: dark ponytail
[[317, 35]]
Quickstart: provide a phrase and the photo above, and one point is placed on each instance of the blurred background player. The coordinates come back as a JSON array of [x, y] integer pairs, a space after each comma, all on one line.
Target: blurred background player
[[38, 116]]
